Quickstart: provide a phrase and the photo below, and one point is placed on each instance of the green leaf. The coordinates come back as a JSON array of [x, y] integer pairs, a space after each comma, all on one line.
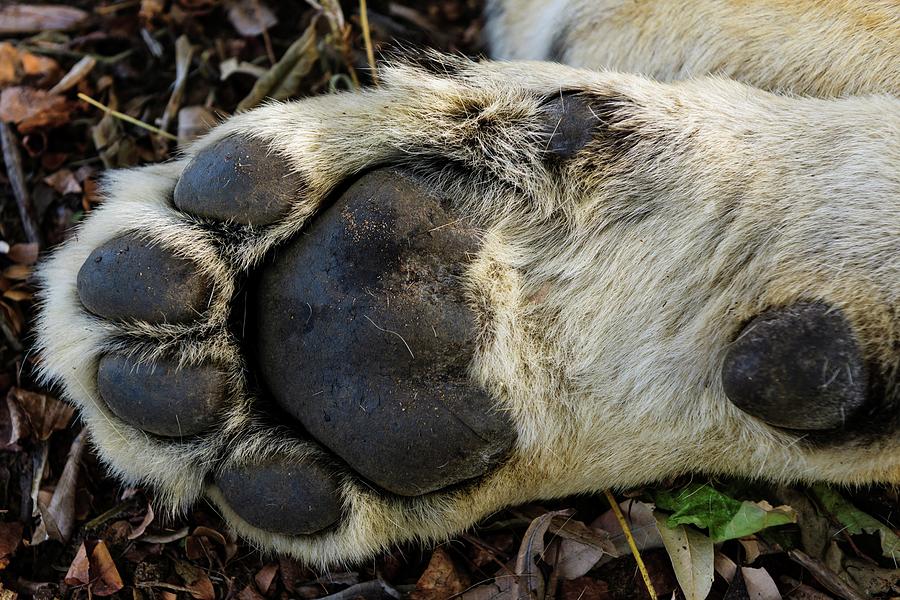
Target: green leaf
[[855, 521], [724, 517]]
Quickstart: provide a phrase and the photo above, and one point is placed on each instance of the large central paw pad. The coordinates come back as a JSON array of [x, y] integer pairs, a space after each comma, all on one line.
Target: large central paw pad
[[358, 328], [365, 337]]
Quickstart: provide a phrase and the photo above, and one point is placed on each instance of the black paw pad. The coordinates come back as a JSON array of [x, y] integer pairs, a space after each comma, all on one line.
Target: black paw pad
[[282, 496], [798, 367], [127, 278], [161, 398], [365, 337], [570, 123], [237, 179]]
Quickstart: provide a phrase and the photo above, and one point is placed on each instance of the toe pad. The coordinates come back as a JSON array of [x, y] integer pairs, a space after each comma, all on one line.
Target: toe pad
[[237, 179], [798, 367], [161, 398], [281, 496], [128, 278]]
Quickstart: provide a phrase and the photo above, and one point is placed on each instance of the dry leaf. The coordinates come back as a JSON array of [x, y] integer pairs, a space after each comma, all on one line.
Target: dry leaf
[[151, 9], [17, 272], [45, 413], [24, 18], [10, 538], [230, 66], [757, 583], [197, 545], [265, 577], [641, 522], [442, 578], [196, 581], [248, 593], [78, 72], [58, 515], [584, 588], [79, 572], [283, 79], [692, 554], [581, 548], [18, 295], [499, 589], [16, 65], [64, 182], [138, 531], [6, 594], [31, 109], [105, 578], [24, 254], [529, 581], [250, 17]]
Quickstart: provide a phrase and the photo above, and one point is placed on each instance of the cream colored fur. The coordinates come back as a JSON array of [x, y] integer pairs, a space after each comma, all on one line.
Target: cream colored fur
[[608, 290]]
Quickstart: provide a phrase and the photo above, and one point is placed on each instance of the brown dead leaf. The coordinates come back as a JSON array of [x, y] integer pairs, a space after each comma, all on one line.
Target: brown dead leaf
[[78, 72], [442, 578], [79, 572], [45, 413], [641, 522], [10, 538], [31, 109], [139, 530], [58, 514], [581, 548], [201, 542], [64, 182], [105, 578], [24, 254], [584, 588], [248, 593], [250, 17], [115, 148], [25, 18], [18, 295], [195, 580], [16, 65], [529, 581], [17, 272], [150, 9], [265, 578]]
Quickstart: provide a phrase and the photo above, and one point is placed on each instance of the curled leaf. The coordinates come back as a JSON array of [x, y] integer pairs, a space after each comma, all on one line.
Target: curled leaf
[[724, 517]]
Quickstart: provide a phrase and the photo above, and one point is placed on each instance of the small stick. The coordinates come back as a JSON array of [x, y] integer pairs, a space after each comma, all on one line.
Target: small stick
[[828, 578], [126, 118], [631, 543], [13, 160], [367, 38]]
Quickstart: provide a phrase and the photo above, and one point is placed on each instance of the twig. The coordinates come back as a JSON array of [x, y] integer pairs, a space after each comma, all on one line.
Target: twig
[[631, 543], [367, 38], [126, 118], [364, 589], [257, 13], [13, 160], [824, 575]]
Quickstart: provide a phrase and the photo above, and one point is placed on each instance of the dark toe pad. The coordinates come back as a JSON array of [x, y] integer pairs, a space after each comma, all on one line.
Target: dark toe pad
[[237, 179], [127, 278], [570, 123], [365, 337], [161, 398], [797, 367], [282, 496]]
